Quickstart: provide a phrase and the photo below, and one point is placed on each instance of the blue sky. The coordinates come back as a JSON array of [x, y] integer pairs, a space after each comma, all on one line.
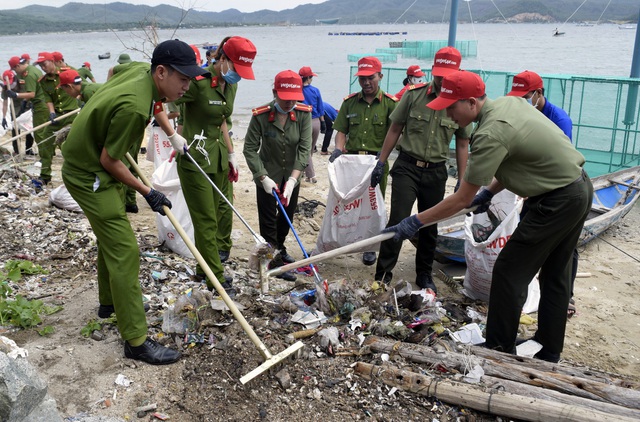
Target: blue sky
[[201, 5]]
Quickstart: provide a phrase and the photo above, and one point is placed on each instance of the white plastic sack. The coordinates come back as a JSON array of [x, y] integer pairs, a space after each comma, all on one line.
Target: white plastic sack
[[486, 235], [355, 211], [165, 179], [158, 146], [61, 198]]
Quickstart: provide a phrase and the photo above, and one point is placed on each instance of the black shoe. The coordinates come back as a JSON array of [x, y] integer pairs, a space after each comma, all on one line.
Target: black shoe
[[224, 255], [143, 150], [547, 356], [105, 311], [288, 276], [369, 258], [151, 352], [425, 281], [227, 285], [131, 208], [385, 277], [286, 258]]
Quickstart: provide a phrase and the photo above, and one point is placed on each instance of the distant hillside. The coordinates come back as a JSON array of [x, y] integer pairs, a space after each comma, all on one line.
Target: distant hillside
[[90, 17]]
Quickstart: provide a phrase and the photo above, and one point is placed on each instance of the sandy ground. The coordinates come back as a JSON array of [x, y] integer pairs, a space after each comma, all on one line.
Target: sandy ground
[[605, 333]]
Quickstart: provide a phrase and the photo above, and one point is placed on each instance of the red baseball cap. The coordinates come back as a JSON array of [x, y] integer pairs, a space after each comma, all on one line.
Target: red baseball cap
[[197, 53], [460, 85], [415, 71], [525, 82], [69, 77], [288, 85], [57, 56], [15, 60], [87, 65], [446, 61], [306, 71], [241, 52], [368, 66], [8, 74], [26, 56], [44, 56]]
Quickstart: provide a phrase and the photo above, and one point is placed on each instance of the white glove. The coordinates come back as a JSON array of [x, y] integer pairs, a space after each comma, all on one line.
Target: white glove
[[178, 143], [269, 185], [233, 167], [288, 188]]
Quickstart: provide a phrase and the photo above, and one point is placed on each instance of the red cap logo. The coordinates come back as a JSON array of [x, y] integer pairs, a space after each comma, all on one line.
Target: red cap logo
[[446, 61], [525, 82], [368, 66], [459, 85], [288, 85]]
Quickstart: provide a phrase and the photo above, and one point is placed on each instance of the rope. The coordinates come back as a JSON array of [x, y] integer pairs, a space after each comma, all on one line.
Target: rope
[[403, 13], [605, 9], [475, 37], [613, 246], [565, 22]]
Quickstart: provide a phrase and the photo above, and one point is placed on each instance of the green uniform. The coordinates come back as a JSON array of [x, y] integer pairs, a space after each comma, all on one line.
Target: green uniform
[[529, 155], [87, 90], [419, 173], [205, 106], [29, 81], [273, 150], [116, 119], [85, 74], [62, 104], [366, 125]]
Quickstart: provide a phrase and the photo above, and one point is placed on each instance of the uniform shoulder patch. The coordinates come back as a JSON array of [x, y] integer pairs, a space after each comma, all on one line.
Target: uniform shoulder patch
[[393, 97], [199, 77], [304, 107], [349, 96], [260, 110], [416, 86]]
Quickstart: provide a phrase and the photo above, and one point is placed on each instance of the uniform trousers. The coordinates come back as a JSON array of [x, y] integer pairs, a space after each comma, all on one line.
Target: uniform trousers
[[47, 145], [273, 224], [309, 171], [225, 217]]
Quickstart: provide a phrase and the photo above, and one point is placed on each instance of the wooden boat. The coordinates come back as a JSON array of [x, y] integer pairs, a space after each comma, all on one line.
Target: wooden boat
[[557, 33], [614, 195], [103, 56]]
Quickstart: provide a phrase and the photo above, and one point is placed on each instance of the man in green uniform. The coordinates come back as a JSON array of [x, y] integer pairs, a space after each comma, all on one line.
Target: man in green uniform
[[85, 72], [363, 121], [420, 172], [94, 174], [71, 82], [516, 147], [12, 82], [58, 103], [30, 91]]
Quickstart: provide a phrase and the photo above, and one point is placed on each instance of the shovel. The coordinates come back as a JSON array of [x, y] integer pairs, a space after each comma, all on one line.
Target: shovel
[[270, 360]]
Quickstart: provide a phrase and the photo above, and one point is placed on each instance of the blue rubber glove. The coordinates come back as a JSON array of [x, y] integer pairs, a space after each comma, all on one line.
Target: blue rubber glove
[[157, 200], [52, 117], [482, 200], [335, 154], [405, 229], [377, 173]]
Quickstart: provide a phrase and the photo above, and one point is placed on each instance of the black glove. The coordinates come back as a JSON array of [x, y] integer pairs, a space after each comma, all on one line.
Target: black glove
[[457, 186], [52, 117], [156, 200], [482, 200], [377, 173], [12, 94], [405, 229], [323, 126], [4, 123], [335, 154]]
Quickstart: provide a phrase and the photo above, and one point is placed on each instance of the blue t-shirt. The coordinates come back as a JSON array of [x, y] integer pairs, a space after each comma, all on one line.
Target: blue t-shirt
[[559, 117], [313, 98], [330, 111]]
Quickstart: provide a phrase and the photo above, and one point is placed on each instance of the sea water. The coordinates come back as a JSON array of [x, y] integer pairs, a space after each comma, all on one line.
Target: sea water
[[602, 50]]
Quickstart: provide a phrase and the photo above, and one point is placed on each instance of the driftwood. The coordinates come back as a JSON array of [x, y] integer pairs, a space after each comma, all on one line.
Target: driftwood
[[496, 367], [492, 401]]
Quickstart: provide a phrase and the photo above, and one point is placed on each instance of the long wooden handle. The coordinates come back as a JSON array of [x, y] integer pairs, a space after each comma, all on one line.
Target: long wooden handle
[[71, 113], [203, 264]]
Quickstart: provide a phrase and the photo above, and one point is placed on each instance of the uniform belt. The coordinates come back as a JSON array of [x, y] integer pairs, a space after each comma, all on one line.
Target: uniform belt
[[419, 163], [362, 152]]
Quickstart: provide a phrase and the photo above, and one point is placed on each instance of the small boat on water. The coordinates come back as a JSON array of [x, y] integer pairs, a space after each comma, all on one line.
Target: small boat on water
[[331, 21], [557, 33], [103, 56], [614, 195], [629, 26]]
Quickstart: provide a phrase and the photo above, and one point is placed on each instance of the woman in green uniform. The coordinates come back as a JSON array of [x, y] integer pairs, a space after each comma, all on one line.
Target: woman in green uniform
[[207, 108], [276, 148]]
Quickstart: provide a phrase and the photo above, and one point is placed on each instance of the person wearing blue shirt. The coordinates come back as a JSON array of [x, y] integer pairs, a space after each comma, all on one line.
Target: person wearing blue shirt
[[313, 98], [330, 114]]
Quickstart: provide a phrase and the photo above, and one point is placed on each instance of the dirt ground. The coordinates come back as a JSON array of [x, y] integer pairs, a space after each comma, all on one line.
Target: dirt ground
[[204, 385]]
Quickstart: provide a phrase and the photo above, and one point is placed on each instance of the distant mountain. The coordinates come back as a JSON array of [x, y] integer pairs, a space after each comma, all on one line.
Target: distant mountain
[[119, 16]]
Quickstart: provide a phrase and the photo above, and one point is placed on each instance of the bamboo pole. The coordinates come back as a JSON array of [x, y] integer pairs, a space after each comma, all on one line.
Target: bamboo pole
[[493, 401], [71, 113]]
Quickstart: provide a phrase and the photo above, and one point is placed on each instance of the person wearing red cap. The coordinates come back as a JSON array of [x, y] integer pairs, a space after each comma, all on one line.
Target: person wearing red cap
[[12, 109], [517, 148], [31, 92], [26, 57], [313, 98], [58, 60], [94, 173], [419, 173], [415, 76], [207, 108], [276, 148], [363, 121], [85, 72], [71, 82], [58, 103], [529, 86]]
